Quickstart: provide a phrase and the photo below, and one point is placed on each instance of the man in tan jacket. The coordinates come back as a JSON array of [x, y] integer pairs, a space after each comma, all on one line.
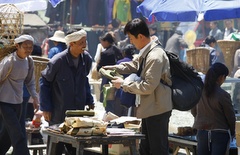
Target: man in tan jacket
[[153, 99]]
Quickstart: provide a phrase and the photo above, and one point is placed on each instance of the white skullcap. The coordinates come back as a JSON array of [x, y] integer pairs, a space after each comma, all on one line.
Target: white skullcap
[[23, 38], [75, 36]]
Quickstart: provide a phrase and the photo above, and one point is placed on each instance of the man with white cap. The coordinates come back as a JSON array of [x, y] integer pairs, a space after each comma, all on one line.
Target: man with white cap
[[64, 84], [16, 70], [59, 43]]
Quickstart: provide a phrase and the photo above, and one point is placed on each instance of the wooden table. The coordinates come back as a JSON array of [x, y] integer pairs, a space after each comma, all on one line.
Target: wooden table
[[31, 146], [92, 141], [189, 143]]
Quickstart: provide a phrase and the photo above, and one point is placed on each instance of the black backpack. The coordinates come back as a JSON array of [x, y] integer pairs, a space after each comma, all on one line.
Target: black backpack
[[187, 85]]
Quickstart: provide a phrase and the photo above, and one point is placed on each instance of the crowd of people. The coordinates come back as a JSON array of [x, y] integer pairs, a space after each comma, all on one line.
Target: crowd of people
[[140, 58]]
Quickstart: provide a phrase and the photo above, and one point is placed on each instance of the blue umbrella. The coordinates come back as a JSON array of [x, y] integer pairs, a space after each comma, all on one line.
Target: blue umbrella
[[189, 10], [220, 9], [170, 10]]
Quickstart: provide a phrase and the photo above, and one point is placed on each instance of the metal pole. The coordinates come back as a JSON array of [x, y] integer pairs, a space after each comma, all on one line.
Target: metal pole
[[70, 22]]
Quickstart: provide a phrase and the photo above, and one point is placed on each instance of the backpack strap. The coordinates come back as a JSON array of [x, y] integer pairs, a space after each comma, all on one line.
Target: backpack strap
[[141, 64]]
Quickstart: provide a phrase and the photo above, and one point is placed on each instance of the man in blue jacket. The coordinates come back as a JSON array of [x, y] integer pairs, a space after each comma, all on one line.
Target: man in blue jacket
[[64, 84]]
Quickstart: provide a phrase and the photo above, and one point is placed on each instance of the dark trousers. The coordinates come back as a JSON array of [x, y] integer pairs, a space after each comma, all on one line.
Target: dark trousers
[[119, 109], [11, 131], [155, 129], [212, 142], [23, 115]]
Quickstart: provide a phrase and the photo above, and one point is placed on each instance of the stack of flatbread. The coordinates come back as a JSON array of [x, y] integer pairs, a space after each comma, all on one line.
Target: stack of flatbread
[[83, 126]]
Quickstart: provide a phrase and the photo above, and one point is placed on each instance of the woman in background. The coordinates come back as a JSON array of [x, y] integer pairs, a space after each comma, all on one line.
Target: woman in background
[[215, 56], [59, 43], [108, 57], [123, 100], [214, 114]]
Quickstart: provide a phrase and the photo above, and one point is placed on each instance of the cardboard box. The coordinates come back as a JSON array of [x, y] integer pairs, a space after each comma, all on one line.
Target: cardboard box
[[237, 127], [238, 139], [118, 149], [238, 133]]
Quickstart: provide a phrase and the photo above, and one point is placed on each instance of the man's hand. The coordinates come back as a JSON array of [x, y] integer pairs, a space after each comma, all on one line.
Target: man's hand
[[110, 67], [35, 104], [117, 82], [47, 115]]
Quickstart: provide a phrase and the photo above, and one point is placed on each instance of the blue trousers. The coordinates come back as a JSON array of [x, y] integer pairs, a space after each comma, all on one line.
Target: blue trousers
[[155, 129], [11, 131], [212, 142]]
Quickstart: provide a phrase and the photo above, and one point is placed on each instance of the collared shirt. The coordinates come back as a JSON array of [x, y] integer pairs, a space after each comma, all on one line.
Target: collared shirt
[[144, 48]]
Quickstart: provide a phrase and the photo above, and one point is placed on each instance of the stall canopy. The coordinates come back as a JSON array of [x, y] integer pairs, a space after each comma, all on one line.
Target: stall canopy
[[35, 26], [33, 20], [189, 10], [170, 10], [219, 9], [27, 5]]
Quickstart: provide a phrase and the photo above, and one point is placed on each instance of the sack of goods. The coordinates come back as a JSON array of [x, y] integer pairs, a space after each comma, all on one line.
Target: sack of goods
[[83, 126]]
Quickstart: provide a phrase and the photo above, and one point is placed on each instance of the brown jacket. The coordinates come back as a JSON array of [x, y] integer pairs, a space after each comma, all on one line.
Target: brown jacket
[[215, 113], [155, 97]]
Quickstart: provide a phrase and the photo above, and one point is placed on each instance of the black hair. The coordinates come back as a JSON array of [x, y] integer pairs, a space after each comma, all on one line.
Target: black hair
[[209, 40], [129, 50], [179, 32], [70, 31], [215, 23], [137, 26], [116, 23], [213, 73], [109, 37]]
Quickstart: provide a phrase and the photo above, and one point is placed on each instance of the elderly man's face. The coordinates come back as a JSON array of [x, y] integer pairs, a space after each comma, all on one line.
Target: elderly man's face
[[81, 44], [24, 49]]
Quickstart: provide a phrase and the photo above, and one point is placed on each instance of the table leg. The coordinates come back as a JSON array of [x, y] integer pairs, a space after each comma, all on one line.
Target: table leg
[[29, 139], [49, 145], [133, 149], [187, 151], [176, 151], [79, 150], [35, 152], [105, 149]]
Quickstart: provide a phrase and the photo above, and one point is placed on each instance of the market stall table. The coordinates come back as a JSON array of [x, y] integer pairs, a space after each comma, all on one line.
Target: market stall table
[[81, 142], [189, 143]]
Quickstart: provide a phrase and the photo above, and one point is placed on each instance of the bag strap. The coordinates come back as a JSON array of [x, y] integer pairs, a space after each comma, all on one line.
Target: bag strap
[[141, 64], [9, 71]]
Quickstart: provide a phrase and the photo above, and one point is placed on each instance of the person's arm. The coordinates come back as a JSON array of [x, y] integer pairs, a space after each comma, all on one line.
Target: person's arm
[[5, 67], [52, 52], [48, 76], [182, 43], [45, 98], [229, 113], [31, 85], [89, 97]]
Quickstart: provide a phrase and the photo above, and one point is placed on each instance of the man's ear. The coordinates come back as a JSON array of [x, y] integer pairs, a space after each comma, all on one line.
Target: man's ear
[[139, 36], [71, 43], [17, 45]]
